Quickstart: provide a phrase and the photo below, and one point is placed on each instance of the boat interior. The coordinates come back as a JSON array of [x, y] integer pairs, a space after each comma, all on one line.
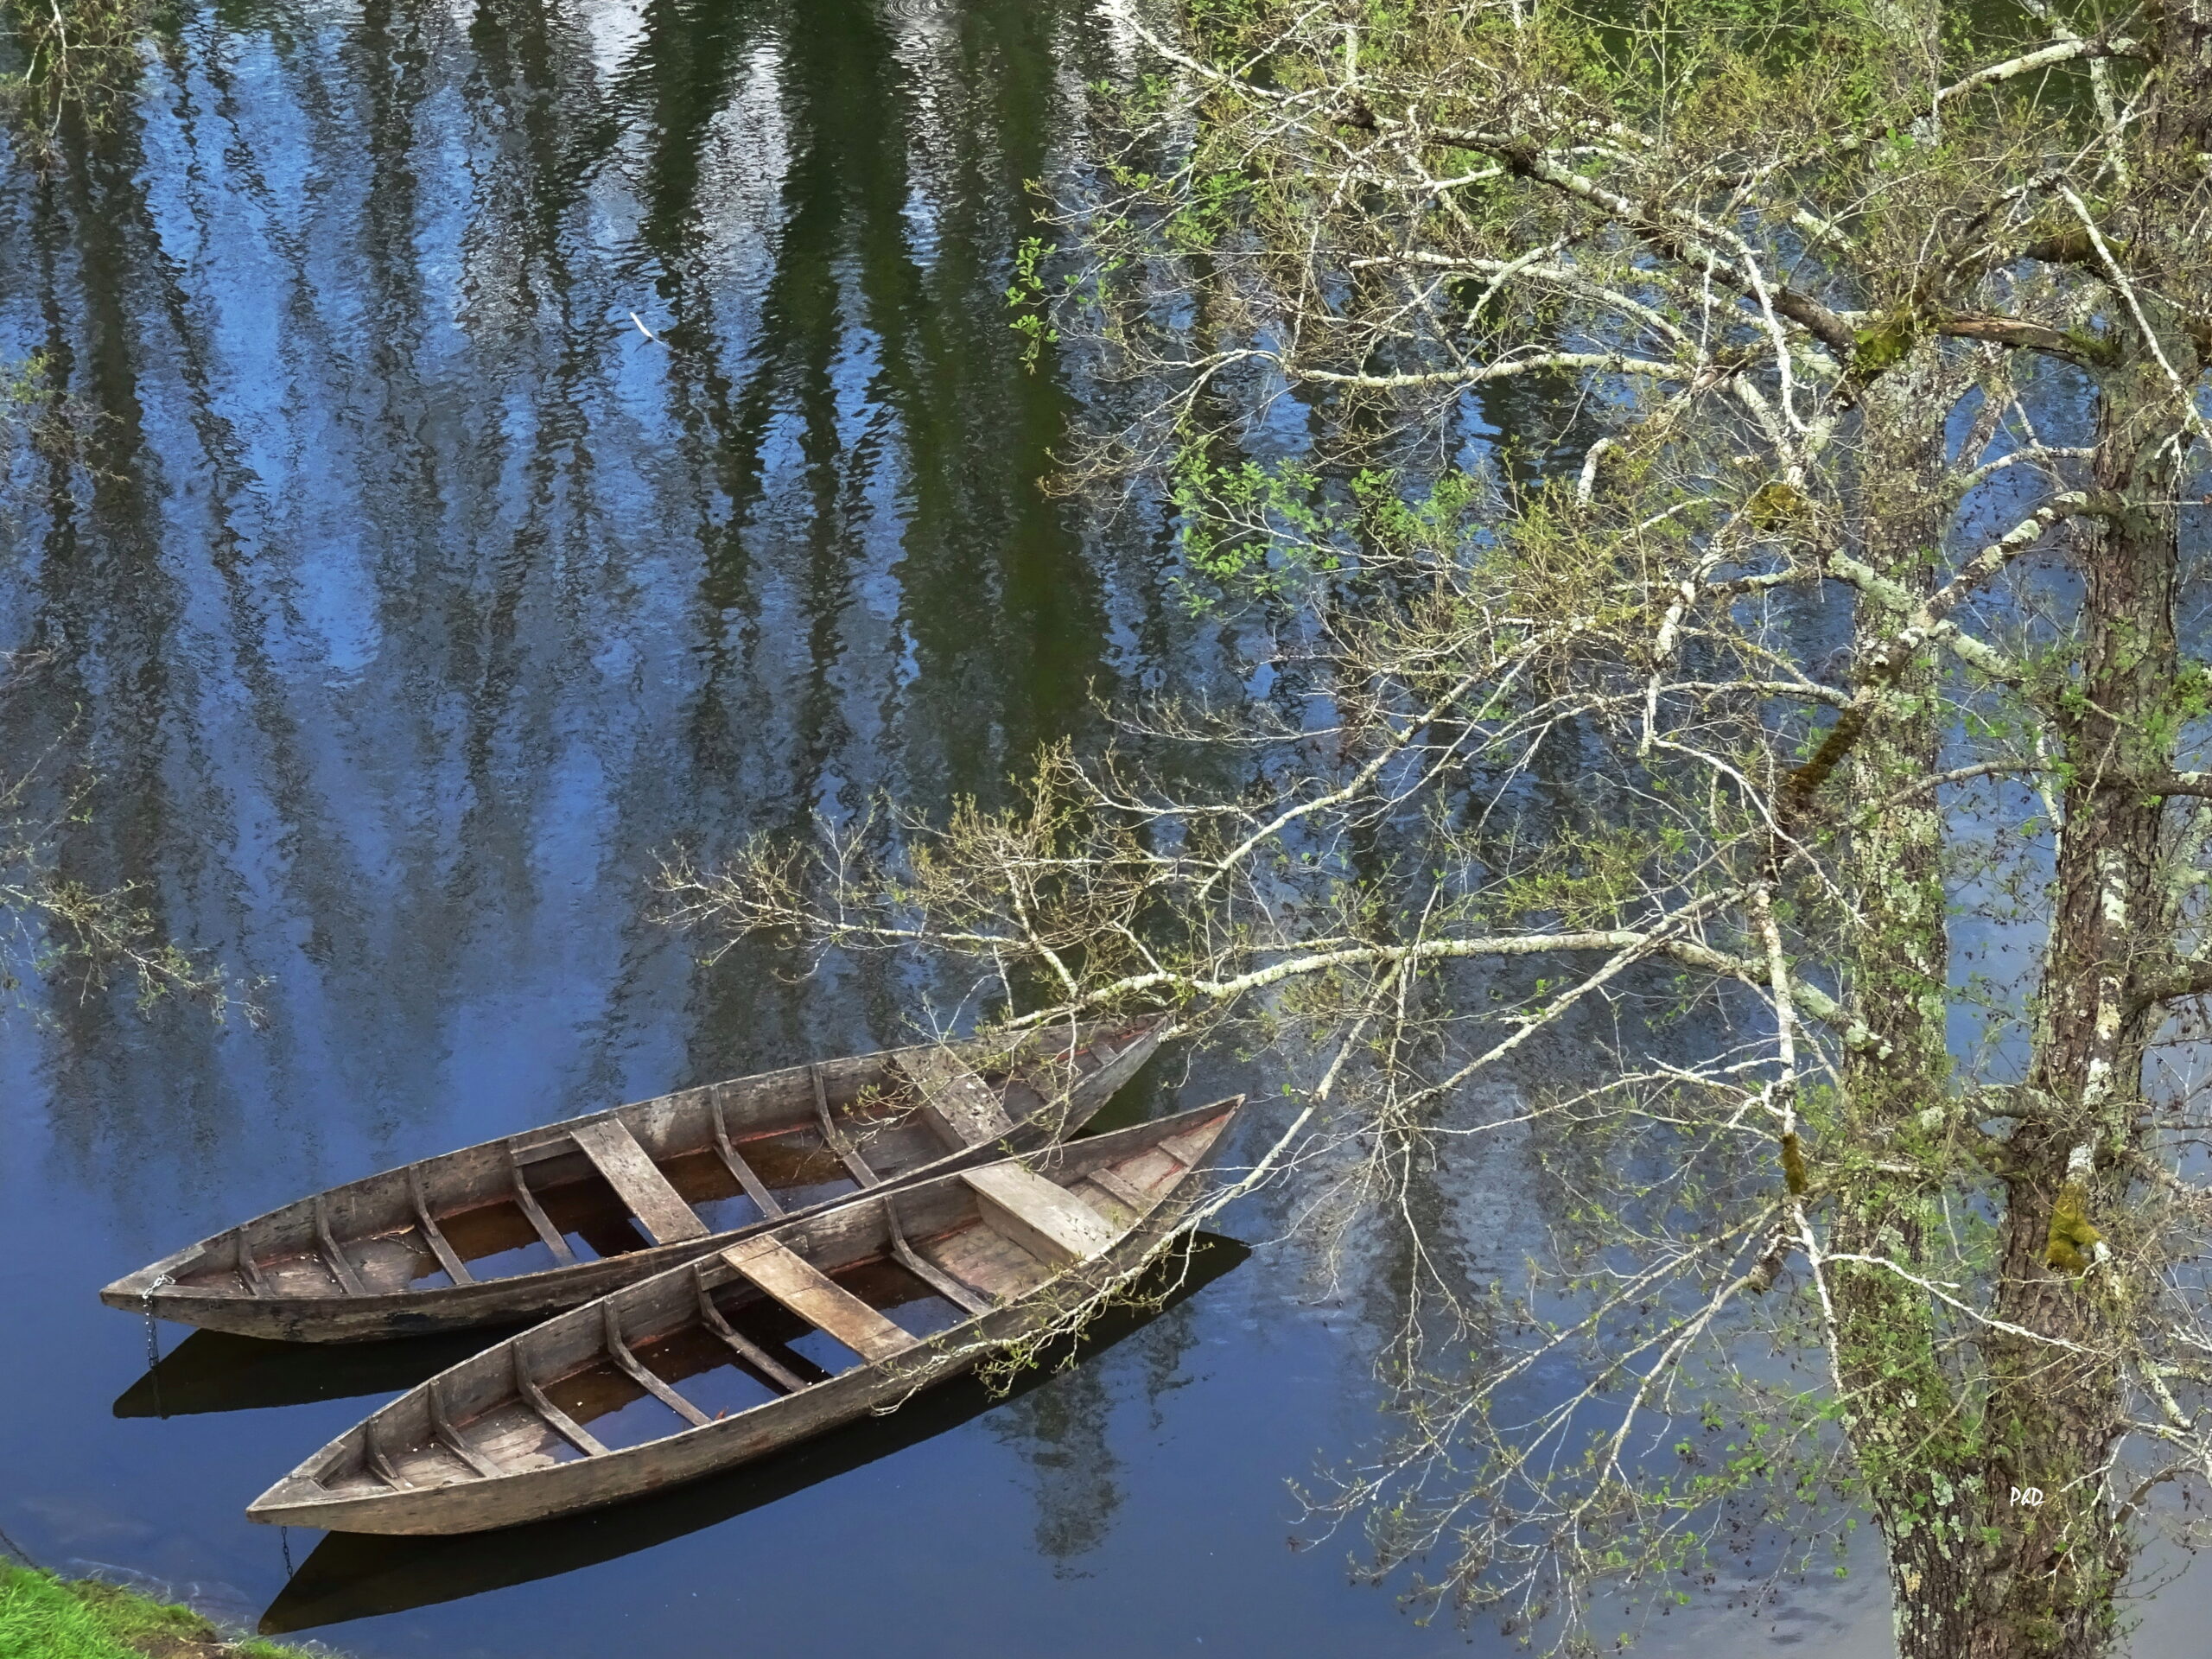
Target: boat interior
[[684, 1165], [762, 1321]]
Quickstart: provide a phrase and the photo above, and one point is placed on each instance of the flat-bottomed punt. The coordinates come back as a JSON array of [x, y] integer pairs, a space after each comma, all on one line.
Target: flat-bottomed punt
[[776, 1338], [517, 1227]]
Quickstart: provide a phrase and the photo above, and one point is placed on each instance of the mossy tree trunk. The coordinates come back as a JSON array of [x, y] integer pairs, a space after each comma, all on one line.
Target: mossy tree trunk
[[2058, 1406], [1904, 1410]]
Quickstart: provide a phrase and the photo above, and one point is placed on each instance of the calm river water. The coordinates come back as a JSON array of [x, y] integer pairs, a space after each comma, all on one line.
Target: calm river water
[[406, 599]]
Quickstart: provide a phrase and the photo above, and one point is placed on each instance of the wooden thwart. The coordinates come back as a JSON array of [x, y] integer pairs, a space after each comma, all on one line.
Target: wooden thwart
[[958, 1103], [818, 1298], [636, 1180], [1040, 1215]]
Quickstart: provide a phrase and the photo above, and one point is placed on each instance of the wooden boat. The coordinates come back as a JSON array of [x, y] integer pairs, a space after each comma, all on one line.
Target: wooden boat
[[731, 1355], [351, 1575], [512, 1230]]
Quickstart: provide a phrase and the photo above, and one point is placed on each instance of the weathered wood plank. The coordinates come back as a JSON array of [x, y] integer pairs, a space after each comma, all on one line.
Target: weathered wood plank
[[958, 1104], [1189, 1147], [990, 1261], [1043, 1217], [636, 1180], [818, 1298]]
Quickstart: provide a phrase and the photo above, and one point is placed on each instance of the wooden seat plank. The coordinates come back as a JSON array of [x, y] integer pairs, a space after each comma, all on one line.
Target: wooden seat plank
[[959, 1105], [636, 1180], [818, 1298], [1040, 1215]]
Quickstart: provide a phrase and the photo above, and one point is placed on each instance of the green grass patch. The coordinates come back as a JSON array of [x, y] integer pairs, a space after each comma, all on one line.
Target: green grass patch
[[43, 1617]]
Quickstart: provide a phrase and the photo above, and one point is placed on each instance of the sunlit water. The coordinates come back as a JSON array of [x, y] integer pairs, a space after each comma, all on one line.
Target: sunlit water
[[518, 441]]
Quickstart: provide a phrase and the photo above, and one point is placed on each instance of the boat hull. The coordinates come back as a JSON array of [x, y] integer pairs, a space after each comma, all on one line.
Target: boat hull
[[562, 1489], [525, 1298]]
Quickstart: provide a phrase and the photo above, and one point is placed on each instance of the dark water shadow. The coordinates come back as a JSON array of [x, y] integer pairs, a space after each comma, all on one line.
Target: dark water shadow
[[213, 1371], [352, 1575]]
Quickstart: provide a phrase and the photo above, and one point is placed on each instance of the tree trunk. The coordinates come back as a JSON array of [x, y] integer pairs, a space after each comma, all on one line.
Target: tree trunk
[[1901, 1405], [2058, 1412]]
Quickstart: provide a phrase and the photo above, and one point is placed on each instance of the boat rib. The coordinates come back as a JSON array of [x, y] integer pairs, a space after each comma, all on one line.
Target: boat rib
[[834, 1138], [547, 1232], [455, 1442], [751, 1353], [953, 1290], [340, 1268], [563, 1425], [646, 1379], [741, 1172], [427, 1224]]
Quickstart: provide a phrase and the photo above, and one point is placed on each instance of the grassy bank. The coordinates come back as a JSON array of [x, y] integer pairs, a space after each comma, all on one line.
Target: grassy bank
[[45, 1617]]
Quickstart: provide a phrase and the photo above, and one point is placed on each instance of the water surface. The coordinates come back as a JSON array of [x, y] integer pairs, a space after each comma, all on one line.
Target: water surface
[[514, 440]]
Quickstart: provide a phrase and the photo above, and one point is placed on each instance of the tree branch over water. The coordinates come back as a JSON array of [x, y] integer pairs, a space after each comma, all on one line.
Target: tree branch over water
[[1697, 459]]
